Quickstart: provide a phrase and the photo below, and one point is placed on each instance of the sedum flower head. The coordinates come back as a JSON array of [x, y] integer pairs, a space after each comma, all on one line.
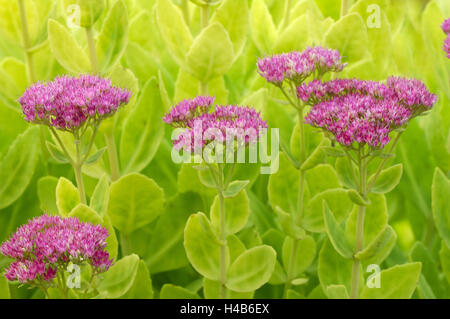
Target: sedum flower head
[[297, 66], [49, 243], [410, 93], [187, 110], [358, 118], [202, 125], [68, 102], [364, 112]]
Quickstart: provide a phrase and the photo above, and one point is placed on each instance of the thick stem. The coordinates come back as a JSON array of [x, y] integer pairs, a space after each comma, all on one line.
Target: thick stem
[[205, 16], [344, 7], [92, 50], [291, 267], [185, 9], [204, 88], [112, 155], [125, 244], [26, 42], [359, 227], [77, 167], [301, 189], [222, 234]]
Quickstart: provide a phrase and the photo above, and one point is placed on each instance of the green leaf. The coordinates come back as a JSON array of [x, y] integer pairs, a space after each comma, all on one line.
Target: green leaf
[[165, 250], [336, 198], [439, 203], [263, 30], [142, 285], [336, 234], [357, 198], [234, 16], [95, 157], [279, 275], [295, 37], [333, 151], [252, 269], [142, 130], [46, 189], [375, 219], [337, 292], [346, 172], [169, 291], [349, 36], [100, 196], [288, 225], [118, 280], [113, 37], [304, 256], [173, 30], [4, 288], [67, 196], [398, 282], [317, 157], [206, 176], [321, 178], [333, 269], [203, 247], [211, 290], [237, 211], [234, 188], [283, 186], [420, 253], [88, 215], [211, 54], [17, 166], [57, 155], [387, 180], [379, 248], [134, 201], [65, 48], [444, 255]]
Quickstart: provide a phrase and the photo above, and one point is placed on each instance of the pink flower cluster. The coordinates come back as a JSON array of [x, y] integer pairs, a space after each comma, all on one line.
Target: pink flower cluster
[[187, 110], [446, 28], [411, 93], [224, 124], [364, 112], [49, 243], [68, 102], [297, 66], [358, 118]]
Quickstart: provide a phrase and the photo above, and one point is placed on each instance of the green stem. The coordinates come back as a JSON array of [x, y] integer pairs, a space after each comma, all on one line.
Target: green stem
[[287, 13], [205, 16], [77, 167], [92, 50], [222, 234], [383, 162], [359, 228], [204, 88], [113, 158], [185, 9], [31, 73], [344, 7], [290, 272], [125, 245], [301, 189]]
